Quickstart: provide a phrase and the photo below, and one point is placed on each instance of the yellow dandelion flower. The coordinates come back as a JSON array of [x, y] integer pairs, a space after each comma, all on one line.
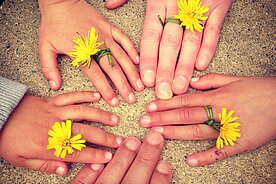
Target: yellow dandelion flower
[[229, 131], [190, 13], [85, 48], [60, 139]]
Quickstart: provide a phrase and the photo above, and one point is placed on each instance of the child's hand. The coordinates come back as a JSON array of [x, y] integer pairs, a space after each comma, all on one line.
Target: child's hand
[[24, 138], [61, 22], [169, 54], [132, 163], [252, 98]]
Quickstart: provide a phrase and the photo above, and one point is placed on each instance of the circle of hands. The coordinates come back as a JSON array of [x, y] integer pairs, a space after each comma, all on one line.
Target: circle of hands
[[179, 117]]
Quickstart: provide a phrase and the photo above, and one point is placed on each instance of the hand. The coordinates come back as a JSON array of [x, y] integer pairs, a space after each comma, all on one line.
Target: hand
[[161, 46], [131, 164], [24, 138], [112, 4], [252, 98], [60, 24]]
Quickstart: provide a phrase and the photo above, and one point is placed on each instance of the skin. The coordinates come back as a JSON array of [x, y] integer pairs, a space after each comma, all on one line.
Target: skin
[[55, 37], [22, 146], [132, 163], [160, 47], [252, 98]]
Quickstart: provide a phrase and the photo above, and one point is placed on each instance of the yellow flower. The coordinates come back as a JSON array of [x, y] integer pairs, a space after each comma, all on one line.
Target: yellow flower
[[190, 13], [85, 48], [229, 131], [60, 139]]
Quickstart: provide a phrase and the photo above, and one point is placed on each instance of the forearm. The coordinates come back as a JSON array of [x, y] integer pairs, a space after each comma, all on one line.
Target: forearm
[[10, 95], [45, 4]]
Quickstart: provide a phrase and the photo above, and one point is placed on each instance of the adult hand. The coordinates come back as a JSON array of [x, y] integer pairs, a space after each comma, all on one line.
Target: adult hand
[[24, 138], [252, 98], [60, 23], [132, 163], [169, 54]]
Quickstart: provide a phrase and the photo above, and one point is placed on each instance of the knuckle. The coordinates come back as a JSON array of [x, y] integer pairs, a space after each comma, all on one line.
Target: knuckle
[[145, 159], [171, 40], [75, 155], [211, 76], [185, 114], [79, 180], [165, 73], [197, 132], [184, 100], [97, 75], [81, 109], [214, 30], [192, 39], [151, 34], [45, 166]]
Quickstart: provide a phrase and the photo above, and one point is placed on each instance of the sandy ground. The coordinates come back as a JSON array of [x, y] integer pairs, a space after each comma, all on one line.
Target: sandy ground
[[246, 47]]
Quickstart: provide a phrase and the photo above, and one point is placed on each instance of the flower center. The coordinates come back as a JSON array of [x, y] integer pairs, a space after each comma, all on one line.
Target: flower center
[[191, 14], [66, 143]]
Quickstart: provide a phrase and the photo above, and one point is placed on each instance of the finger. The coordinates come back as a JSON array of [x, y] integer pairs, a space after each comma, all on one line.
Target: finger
[[112, 4], [211, 35], [127, 66], [169, 48], [143, 166], [213, 155], [83, 112], [212, 81], [88, 174], [76, 97], [186, 100], [121, 38], [48, 61], [47, 166], [97, 136], [118, 78], [185, 67], [192, 115], [151, 36], [118, 166], [190, 132], [162, 174], [96, 75]]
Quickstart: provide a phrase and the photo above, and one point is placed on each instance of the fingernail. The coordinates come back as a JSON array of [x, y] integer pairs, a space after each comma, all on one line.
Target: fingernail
[[139, 84], [119, 140], [60, 171], [108, 155], [154, 138], [192, 162], [180, 83], [158, 129], [53, 84], [95, 167], [97, 95], [163, 168], [164, 91], [149, 77], [131, 97], [114, 101], [195, 79], [145, 120], [152, 107], [132, 144], [114, 119], [137, 59]]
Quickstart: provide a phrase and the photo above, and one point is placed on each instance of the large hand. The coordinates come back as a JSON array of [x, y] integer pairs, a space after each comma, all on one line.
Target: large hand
[[131, 164], [252, 98], [23, 140], [160, 48], [60, 24]]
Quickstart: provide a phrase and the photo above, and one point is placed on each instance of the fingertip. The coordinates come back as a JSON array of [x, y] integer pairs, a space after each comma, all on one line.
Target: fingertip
[[154, 138], [192, 162], [62, 170], [163, 167], [202, 63], [152, 107], [148, 78], [180, 85], [112, 4]]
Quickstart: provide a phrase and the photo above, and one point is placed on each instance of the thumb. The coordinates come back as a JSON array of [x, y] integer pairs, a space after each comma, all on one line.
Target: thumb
[[48, 61], [47, 166], [112, 4], [212, 81]]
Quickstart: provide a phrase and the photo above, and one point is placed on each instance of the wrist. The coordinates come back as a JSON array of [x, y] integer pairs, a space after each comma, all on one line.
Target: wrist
[[49, 4]]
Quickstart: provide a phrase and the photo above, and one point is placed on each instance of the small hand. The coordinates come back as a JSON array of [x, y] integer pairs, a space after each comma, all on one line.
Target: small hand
[[24, 138], [60, 24], [169, 54], [132, 163], [252, 98]]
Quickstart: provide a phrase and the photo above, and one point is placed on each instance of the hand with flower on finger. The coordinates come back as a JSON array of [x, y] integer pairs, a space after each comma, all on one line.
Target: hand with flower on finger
[[132, 163], [169, 54], [36, 135], [237, 106], [76, 29]]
